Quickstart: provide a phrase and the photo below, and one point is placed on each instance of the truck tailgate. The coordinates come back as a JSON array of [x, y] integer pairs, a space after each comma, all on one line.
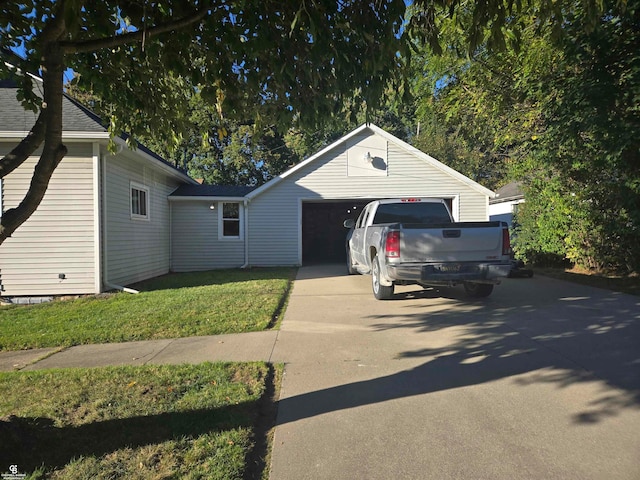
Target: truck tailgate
[[454, 242]]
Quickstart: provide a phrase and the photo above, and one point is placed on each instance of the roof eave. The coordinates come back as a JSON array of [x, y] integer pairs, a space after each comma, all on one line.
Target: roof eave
[[205, 198], [158, 163], [66, 135], [389, 137]]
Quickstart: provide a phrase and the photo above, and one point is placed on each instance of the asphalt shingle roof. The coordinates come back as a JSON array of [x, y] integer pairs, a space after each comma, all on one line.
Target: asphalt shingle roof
[[212, 191], [511, 191], [14, 118]]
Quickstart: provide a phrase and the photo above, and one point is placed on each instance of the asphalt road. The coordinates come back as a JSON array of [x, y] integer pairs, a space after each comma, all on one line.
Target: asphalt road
[[539, 381]]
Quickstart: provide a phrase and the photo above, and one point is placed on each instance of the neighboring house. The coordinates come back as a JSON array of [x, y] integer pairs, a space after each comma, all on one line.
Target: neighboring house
[[505, 204], [104, 220], [297, 217], [112, 220]]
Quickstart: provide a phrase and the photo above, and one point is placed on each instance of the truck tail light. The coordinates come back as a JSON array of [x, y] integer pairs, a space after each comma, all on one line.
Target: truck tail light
[[392, 244], [506, 242]]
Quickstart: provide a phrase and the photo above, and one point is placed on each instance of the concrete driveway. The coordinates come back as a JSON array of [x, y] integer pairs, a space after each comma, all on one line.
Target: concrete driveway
[[539, 381]]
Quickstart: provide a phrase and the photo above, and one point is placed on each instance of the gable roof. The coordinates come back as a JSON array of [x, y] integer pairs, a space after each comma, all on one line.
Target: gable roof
[[78, 123], [390, 138]]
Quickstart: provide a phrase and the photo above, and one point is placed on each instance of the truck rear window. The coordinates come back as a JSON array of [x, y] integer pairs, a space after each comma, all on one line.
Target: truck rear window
[[426, 212]]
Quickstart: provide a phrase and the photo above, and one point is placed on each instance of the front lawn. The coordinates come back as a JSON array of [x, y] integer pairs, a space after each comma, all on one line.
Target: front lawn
[[186, 421], [171, 306]]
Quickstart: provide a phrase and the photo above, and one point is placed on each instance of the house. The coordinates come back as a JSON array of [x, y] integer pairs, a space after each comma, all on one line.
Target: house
[[107, 220], [104, 220], [297, 217], [505, 204]]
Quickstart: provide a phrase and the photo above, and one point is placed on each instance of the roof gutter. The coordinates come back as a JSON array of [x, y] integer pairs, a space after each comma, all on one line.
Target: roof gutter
[[204, 198]]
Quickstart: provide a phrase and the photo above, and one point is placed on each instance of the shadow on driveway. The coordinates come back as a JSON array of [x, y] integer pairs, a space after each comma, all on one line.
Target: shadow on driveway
[[564, 336]]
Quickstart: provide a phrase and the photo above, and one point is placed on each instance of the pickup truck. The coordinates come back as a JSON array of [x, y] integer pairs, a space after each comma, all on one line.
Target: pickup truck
[[408, 241]]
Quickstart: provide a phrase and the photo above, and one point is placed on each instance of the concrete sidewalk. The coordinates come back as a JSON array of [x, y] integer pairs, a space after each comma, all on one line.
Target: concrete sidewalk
[[244, 347]]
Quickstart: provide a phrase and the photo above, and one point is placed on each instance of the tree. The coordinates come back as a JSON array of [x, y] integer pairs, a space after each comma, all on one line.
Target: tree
[[260, 59], [588, 99], [558, 113], [227, 50]]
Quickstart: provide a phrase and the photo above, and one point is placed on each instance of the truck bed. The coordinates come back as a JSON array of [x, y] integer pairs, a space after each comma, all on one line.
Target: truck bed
[[450, 242]]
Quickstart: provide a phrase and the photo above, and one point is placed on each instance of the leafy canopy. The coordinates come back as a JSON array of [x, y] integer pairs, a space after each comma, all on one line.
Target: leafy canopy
[[271, 61]]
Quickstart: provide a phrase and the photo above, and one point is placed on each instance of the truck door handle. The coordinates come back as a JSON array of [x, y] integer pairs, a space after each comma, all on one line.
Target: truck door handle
[[451, 233]]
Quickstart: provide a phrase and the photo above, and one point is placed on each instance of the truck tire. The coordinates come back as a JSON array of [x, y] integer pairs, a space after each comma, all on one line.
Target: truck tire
[[381, 292], [478, 290], [350, 269]]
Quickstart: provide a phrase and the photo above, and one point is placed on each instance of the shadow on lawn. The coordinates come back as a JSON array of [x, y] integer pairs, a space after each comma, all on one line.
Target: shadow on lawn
[[33, 443]]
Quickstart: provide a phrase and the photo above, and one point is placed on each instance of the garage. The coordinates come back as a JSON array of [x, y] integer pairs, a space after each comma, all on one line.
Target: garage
[[297, 217], [323, 233]]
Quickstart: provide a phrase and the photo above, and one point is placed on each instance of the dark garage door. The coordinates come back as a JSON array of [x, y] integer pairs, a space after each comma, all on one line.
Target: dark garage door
[[323, 235]]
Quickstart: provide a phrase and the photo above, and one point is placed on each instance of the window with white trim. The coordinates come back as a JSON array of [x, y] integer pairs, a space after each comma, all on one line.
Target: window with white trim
[[230, 221], [139, 202]]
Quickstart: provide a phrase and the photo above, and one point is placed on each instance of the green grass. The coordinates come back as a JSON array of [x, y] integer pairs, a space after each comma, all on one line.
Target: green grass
[[151, 422], [171, 306]]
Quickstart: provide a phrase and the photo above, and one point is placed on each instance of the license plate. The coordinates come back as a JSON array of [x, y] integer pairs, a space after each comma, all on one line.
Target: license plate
[[449, 268]]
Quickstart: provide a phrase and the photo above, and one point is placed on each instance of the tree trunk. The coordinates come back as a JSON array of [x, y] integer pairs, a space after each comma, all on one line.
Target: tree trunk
[[51, 118]]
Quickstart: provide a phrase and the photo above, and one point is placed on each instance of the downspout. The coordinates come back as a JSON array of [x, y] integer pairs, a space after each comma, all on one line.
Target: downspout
[[105, 281], [246, 234], [97, 218], [112, 286]]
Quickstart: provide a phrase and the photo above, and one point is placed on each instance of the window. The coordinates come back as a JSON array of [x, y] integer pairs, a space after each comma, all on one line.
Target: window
[[230, 220], [362, 219], [139, 202], [421, 212]]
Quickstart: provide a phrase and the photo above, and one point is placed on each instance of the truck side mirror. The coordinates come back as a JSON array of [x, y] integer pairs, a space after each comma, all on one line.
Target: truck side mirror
[[349, 223]]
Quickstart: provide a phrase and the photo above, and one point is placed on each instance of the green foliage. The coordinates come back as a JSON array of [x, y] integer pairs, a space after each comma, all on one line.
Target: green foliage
[[559, 113], [589, 108]]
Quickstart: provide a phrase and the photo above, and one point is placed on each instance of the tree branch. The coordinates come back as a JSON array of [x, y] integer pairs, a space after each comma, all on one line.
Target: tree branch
[[25, 148], [137, 36], [51, 33], [14, 217]]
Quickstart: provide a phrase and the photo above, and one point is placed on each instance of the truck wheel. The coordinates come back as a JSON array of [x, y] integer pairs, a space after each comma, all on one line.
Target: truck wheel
[[350, 269], [381, 292], [478, 290]]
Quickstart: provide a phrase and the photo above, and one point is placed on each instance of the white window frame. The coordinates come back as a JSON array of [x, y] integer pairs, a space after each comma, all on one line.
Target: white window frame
[[222, 219], [142, 188]]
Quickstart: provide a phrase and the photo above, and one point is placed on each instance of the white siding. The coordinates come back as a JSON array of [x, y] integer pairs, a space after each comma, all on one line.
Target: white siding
[[59, 236], [195, 244], [135, 250], [275, 214]]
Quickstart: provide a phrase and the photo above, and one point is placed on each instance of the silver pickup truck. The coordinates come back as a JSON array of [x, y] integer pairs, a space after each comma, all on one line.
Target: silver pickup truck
[[409, 241]]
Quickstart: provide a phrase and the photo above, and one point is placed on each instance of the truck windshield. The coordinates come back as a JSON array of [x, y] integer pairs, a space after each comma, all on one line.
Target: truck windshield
[[427, 212]]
